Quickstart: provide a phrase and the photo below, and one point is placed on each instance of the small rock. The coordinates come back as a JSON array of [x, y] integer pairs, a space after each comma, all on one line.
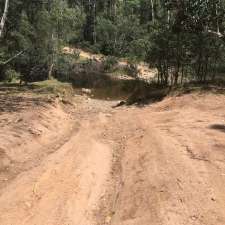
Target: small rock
[[194, 217], [86, 91], [108, 219], [28, 204], [19, 120]]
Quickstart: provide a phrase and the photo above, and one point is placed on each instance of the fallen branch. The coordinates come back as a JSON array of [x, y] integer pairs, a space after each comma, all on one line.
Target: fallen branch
[[15, 56], [220, 35]]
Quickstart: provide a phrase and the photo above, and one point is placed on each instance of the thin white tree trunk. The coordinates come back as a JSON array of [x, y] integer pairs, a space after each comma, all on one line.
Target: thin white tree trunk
[[153, 12], [217, 32], [15, 56], [4, 17], [94, 22], [168, 16], [217, 20]]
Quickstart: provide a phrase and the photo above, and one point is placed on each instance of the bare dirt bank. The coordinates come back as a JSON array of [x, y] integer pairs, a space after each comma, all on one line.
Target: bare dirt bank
[[91, 164]]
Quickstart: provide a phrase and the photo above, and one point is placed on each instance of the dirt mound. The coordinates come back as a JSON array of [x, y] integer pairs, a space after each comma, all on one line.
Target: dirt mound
[[26, 127], [173, 163], [196, 101]]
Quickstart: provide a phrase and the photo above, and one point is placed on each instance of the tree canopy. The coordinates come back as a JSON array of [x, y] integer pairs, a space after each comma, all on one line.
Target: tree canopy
[[181, 38]]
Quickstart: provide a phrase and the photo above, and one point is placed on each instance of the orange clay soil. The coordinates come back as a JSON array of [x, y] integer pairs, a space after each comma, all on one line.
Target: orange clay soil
[[90, 164]]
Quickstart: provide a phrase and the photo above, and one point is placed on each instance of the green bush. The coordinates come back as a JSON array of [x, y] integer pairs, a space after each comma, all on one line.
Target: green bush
[[64, 66], [132, 68], [11, 75], [110, 63]]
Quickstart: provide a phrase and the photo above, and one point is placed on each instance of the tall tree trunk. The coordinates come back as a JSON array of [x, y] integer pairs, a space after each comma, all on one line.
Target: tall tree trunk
[[168, 17], [51, 57], [205, 70], [153, 11], [90, 25], [182, 74], [178, 60], [94, 21], [4, 17]]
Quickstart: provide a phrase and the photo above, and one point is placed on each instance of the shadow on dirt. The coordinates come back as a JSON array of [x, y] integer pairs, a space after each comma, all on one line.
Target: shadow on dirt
[[219, 127], [104, 87], [19, 103], [15, 98]]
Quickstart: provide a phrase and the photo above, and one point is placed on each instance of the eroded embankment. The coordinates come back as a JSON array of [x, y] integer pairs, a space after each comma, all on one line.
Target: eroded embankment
[[56, 165]]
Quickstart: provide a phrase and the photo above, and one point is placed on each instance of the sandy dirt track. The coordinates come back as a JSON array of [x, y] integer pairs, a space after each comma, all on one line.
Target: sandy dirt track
[[87, 164]]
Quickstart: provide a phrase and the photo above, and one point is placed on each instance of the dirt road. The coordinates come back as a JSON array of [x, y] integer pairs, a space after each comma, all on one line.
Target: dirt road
[[90, 164]]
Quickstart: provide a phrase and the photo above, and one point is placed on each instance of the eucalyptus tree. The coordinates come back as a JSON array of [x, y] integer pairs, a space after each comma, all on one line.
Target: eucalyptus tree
[[4, 16]]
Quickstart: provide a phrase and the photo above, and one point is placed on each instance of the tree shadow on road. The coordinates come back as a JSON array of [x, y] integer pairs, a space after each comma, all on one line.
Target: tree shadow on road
[[16, 98], [219, 127], [18, 103]]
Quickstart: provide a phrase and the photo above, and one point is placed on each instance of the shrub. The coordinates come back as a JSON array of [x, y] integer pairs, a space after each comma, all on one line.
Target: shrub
[[11, 75], [64, 66], [132, 69], [110, 63], [88, 74]]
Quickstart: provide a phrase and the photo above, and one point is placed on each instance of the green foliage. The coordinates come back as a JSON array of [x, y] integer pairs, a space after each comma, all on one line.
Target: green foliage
[[132, 67], [11, 75], [39, 29], [121, 37], [67, 22], [64, 66], [106, 32], [110, 63], [187, 44], [184, 39]]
